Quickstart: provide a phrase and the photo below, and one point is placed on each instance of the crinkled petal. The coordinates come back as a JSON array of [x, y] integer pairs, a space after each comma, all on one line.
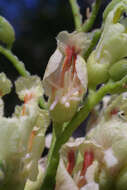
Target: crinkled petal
[[92, 146], [29, 85], [79, 40]]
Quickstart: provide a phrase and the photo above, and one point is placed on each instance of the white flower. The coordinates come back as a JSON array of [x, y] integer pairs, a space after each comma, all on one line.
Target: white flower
[[65, 79]]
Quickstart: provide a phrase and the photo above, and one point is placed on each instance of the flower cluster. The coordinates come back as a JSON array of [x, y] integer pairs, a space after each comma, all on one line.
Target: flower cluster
[[76, 87], [21, 136]]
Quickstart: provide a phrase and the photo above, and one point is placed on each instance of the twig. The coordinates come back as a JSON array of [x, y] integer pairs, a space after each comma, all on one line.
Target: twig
[[93, 43], [89, 23], [76, 14]]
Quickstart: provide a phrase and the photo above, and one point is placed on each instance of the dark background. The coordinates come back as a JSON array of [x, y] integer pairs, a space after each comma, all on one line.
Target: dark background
[[37, 23]]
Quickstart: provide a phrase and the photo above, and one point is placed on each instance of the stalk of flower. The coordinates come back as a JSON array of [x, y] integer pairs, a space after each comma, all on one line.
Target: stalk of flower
[[65, 79], [108, 52]]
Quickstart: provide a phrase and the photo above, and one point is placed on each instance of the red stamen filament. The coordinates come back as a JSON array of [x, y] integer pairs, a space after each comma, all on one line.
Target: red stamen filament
[[32, 136], [88, 160], [69, 60], [27, 97], [71, 162]]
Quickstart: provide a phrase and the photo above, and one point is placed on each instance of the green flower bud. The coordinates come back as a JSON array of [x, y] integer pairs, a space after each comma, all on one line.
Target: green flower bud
[[111, 46], [7, 35], [97, 73], [118, 70], [65, 79]]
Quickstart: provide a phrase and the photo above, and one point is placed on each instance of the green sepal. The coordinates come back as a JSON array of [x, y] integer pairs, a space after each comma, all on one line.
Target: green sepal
[[61, 114]]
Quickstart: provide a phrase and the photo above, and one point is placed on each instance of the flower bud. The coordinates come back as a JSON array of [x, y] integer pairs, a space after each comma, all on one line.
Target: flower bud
[[22, 135], [7, 34], [118, 70], [111, 46], [65, 79]]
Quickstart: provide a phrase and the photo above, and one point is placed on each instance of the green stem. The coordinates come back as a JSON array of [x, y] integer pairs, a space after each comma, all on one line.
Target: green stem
[[93, 99], [93, 43], [76, 14], [14, 60], [53, 161], [87, 26]]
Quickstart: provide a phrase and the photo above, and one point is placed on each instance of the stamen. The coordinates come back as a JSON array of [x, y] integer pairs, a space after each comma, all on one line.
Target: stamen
[[69, 60], [27, 98], [88, 160], [53, 104], [33, 134], [71, 161], [74, 63], [67, 63]]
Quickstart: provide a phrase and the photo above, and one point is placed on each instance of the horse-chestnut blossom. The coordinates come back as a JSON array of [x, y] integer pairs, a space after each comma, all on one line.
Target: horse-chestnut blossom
[[65, 79]]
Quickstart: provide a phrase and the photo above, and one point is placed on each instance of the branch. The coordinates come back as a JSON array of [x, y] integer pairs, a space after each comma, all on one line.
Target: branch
[[93, 43], [14, 60], [76, 14], [89, 23]]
